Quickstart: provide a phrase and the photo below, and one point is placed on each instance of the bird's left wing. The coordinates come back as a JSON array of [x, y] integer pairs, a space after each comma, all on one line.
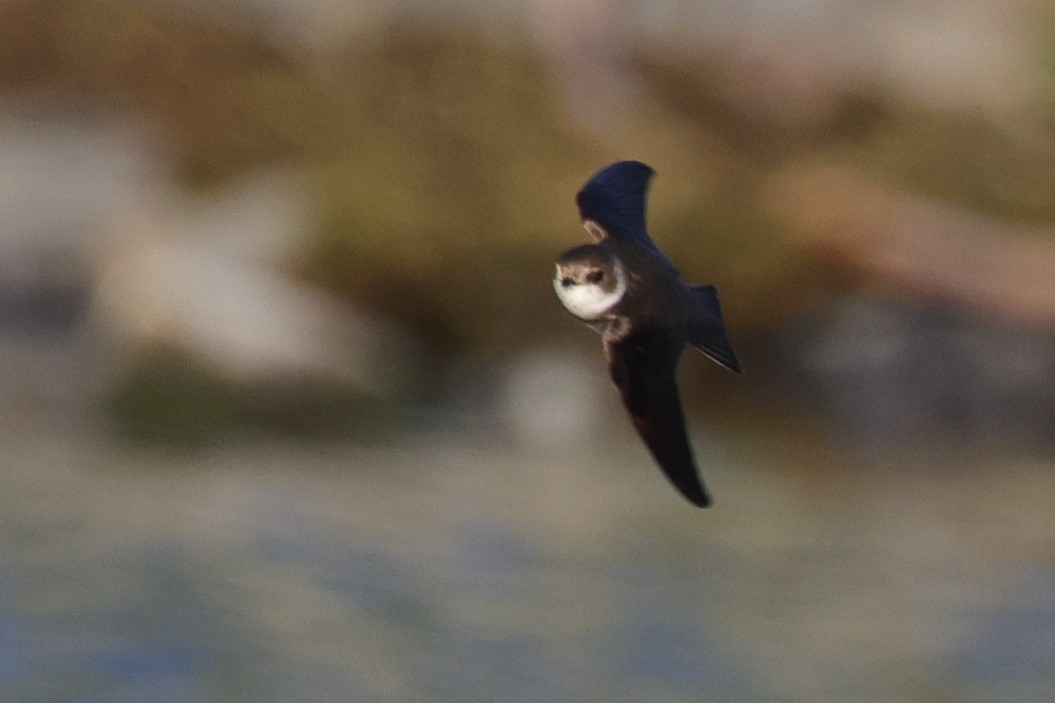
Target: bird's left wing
[[612, 202]]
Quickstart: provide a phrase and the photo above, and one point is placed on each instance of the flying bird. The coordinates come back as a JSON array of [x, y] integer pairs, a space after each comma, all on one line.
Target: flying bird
[[624, 287]]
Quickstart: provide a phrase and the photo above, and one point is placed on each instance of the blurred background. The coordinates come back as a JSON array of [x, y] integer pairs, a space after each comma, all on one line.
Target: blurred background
[[291, 413]]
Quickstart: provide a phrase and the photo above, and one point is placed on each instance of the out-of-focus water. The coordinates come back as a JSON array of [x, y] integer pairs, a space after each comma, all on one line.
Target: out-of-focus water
[[448, 570]]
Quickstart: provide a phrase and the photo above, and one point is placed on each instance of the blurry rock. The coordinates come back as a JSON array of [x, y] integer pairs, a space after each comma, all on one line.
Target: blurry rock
[[466, 398], [207, 278], [950, 335], [555, 399], [920, 247], [897, 370], [213, 332], [786, 62], [60, 177]]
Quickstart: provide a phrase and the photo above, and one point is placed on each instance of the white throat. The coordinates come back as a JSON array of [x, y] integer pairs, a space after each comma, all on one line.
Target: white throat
[[589, 301]]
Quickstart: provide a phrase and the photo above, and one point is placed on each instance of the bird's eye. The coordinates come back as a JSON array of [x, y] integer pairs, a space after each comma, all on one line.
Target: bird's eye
[[595, 276], [565, 282]]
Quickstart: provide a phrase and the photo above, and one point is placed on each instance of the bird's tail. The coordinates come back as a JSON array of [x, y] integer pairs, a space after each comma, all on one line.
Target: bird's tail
[[709, 335]]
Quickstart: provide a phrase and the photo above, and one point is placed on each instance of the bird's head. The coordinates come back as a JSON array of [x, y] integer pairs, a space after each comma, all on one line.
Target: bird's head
[[590, 281]]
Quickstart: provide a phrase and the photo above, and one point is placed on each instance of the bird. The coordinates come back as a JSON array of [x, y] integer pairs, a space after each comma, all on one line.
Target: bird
[[622, 286]]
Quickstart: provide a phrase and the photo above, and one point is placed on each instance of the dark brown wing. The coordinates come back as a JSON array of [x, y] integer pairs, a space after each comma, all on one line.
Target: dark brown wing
[[643, 368], [614, 198]]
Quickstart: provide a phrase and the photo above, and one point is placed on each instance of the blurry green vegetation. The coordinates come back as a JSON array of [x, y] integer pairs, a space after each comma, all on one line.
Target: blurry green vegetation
[[444, 162], [164, 397], [226, 99], [439, 208]]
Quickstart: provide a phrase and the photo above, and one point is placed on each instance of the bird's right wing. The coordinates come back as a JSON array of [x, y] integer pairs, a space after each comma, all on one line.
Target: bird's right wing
[[643, 369]]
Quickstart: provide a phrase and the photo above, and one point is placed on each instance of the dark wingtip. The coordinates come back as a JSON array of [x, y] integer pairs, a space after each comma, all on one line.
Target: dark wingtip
[[701, 501], [690, 487]]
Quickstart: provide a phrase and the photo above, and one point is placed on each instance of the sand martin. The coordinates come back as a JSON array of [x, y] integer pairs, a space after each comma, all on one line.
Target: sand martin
[[624, 287]]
